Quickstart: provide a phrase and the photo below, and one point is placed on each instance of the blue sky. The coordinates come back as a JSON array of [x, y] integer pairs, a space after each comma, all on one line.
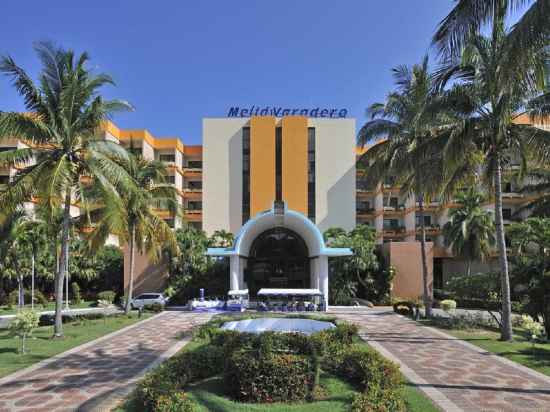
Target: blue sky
[[180, 61]]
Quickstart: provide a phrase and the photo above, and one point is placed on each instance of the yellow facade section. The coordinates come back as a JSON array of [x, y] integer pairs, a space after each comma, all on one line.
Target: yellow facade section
[[262, 164], [295, 163]]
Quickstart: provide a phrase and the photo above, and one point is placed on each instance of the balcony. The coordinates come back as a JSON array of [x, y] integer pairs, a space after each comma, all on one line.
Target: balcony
[[362, 212], [394, 231], [432, 229]]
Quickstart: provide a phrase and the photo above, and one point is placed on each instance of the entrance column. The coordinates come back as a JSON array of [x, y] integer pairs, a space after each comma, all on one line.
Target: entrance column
[[322, 267], [313, 274], [234, 272]]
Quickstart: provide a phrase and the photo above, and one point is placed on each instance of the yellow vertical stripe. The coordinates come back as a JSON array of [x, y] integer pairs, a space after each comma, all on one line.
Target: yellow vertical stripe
[[262, 164], [295, 162]]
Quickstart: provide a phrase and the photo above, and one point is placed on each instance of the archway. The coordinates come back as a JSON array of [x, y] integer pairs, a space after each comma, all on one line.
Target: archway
[[278, 258]]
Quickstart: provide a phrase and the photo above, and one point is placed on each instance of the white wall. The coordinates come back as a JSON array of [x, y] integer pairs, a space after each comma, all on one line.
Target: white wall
[[222, 174], [334, 173]]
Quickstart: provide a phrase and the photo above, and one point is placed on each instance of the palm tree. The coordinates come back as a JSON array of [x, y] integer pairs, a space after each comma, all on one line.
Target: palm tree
[[532, 29], [407, 121], [60, 129], [470, 232], [133, 214], [10, 248], [222, 238], [540, 186], [494, 80]]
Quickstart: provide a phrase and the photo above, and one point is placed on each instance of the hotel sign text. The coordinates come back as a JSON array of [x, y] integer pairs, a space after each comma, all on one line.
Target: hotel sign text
[[283, 111]]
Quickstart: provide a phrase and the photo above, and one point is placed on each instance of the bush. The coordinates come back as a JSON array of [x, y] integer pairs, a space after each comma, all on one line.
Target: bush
[[173, 402], [154, 307], [77, 298], [3, 297], [39, 298], [368, 369], [161, 389], [388, 400], [107, 296], [23, 325], [269, 377], [448, 305]]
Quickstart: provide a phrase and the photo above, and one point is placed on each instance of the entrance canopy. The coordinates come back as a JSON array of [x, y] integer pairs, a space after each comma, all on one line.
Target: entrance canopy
[[288, 219]]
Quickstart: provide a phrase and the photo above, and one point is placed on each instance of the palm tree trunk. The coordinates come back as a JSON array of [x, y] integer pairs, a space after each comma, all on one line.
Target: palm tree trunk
[[427, 294], [506, 312], [469, 268], [60, 275], [132, 267], [33, 260]]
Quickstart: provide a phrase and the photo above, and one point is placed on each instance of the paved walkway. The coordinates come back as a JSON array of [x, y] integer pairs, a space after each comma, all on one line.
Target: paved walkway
[[87, 377], [457, 375]]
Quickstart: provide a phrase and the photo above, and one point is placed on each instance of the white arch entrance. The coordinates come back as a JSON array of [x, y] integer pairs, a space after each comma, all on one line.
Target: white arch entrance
[[279, 216]]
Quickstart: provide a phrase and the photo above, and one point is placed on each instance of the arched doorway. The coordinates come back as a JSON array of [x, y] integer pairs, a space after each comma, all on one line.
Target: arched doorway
[[278, 258]]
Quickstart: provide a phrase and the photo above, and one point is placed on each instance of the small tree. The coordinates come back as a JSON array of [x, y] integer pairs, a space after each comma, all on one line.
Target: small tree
[[23, 325], [77, 298]]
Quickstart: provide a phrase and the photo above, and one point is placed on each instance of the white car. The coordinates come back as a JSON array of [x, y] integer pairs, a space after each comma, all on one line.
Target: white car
[[148, 299]]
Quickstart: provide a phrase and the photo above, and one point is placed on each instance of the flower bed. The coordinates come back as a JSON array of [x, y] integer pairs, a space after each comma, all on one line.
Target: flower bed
[[274, 367]]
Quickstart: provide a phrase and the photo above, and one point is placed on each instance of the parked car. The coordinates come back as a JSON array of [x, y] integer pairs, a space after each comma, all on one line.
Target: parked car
[[148, 299]]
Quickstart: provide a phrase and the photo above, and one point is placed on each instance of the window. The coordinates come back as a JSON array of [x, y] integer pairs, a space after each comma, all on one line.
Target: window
[[363, 206], [507, 187], [246, 174], [4, 180], [7, 149], [171, 179], [391, 224], [427, 220], [167, 157], [195, 184], [311, 174], [278, 164], [196, 225], [194, 164], [391, 202], [390, 181], [194, 205], [170, 222], [507, 214]]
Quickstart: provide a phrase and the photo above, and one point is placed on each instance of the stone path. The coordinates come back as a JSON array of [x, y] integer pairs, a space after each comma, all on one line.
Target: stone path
[[457, 375], [86, 378]]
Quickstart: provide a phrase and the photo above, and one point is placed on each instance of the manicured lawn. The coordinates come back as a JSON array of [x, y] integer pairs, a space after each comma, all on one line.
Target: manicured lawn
[[520, 350], [4, 310], [41, 346]]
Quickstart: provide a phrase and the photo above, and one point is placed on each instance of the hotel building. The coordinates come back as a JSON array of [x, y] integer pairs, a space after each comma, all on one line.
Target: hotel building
[[278, 183]]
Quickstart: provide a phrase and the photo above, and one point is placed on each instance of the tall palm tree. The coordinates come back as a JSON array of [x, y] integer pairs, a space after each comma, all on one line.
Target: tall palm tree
[[531, 30], [407, 121], [539, 185], [60, 129], [470, 232], [133, 213], [493, 80]]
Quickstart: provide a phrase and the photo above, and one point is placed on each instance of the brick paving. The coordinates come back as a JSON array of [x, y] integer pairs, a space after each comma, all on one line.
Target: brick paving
[[85, 377], [457, 375]]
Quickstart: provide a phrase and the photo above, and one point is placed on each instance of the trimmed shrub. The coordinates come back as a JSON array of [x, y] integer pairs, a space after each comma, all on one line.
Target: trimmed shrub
[[174, 402], [75, 288], [273, 377], [107, 295], [39, 298], [448, 305], [368, 369], [376, 400], [154, 307]]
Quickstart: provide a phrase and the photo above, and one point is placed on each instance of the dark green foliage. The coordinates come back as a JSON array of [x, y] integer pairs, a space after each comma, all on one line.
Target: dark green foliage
[[39, 298], [154, 307], [107, 295], [164, 385], [376, 400], [269, 376], [76, 293]]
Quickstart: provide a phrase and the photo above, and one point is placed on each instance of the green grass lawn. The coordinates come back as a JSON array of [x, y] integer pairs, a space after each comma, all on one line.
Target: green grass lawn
[[5, 310], [41, 346], [520, 350]]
